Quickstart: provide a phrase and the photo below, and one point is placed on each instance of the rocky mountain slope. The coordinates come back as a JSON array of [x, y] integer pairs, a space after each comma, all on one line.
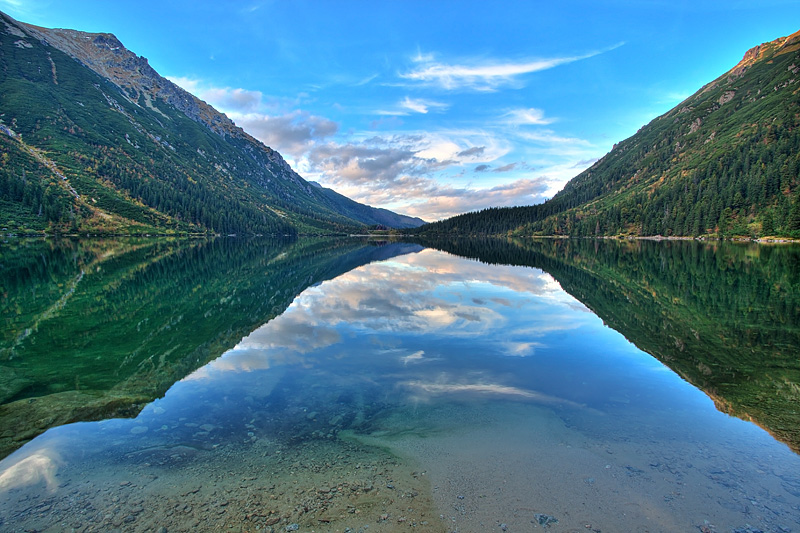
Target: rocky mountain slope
[[92, 139], [725, 162]]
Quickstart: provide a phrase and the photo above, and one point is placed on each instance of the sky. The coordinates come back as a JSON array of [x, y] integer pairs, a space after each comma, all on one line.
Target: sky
[[434, 108]]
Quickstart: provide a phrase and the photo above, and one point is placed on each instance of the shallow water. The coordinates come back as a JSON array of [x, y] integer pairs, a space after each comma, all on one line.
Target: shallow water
[[427, 392]]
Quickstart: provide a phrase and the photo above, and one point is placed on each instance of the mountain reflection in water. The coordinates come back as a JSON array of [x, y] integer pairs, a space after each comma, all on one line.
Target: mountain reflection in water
[[96, 329], [724, 316], [366, 386]]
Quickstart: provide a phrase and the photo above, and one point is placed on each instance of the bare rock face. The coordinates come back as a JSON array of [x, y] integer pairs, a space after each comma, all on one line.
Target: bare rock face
[[757, 53], [726, 97], [142, 85], [108, 57]]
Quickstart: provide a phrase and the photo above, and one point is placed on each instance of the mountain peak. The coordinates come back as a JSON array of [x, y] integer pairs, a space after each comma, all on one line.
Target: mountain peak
[[723, 163], [99, 141], [105, 54], [766, 50]]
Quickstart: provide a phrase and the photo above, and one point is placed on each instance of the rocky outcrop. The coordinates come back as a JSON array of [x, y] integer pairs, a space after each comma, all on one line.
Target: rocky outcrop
[[108, 57], [757, 53]]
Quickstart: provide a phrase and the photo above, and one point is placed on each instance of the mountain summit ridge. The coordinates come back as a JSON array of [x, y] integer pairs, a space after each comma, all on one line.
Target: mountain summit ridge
[[105, 54], [82, 114]]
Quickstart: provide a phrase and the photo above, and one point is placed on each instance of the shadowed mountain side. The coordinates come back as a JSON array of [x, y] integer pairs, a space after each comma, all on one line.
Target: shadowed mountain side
[[725, 317], [97, 329], [367, 214]]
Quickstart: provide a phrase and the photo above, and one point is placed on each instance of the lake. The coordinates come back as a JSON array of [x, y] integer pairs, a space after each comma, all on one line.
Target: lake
[[354, 386]]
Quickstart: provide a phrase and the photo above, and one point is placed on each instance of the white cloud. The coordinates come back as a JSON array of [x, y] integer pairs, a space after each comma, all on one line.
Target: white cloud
[[274, 121], [190, 84], [483, 75], [236, 99], [529, 116], [411, 172], [21, 10], [415, 174], [293, 133], [227, 99], [414, 357], [550, 137], [414, 105], [419, 105], [446, 201], [444, 386]]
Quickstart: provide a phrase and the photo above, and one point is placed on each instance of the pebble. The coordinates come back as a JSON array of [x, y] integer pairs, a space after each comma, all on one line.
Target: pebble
[[292, 527]]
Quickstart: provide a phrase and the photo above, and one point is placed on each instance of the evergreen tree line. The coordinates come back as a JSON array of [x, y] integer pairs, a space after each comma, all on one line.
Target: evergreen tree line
[[33, 190], [726, 163]]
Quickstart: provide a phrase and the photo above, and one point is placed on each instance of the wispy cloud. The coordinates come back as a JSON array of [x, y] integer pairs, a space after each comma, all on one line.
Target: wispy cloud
[[365, 81], [528, 116], [407, 105], [412, 172], [506, 168], [419, 105], [484, 75], [15, 5], [550, 137], [442, 387]]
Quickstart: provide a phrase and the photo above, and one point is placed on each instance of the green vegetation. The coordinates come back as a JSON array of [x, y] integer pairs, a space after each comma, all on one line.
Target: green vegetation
[[724, 163], [97, 328], [724, 316], [80, 155]]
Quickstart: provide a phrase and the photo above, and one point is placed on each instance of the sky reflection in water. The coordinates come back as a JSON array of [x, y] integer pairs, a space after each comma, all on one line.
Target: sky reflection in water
[[429, 325], [382, 343]]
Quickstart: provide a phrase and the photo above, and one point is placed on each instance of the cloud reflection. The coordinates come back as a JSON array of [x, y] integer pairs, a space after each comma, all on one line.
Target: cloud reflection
[[429, 294], [38, 467], [416, 357], [424, 390]]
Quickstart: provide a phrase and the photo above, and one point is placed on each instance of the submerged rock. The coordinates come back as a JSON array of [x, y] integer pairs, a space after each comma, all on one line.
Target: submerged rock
[[545, 520]]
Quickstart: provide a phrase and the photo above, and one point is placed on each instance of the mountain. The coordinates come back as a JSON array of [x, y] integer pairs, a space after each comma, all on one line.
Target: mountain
[[367, 214], [92, 139], [725, 162]]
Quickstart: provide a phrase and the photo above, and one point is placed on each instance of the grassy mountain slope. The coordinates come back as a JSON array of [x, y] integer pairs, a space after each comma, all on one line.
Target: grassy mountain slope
[[93, 139], [724, 162]]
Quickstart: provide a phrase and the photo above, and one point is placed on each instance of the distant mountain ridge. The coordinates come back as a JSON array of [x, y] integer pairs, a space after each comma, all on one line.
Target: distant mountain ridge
[[95, 140], [371, 215], [723, 163]]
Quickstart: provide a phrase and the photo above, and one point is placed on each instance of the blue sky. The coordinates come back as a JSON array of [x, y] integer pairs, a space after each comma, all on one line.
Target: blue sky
[[435, 108]]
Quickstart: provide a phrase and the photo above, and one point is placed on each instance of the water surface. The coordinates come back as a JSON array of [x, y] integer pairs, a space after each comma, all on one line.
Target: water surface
[[434, 392]]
